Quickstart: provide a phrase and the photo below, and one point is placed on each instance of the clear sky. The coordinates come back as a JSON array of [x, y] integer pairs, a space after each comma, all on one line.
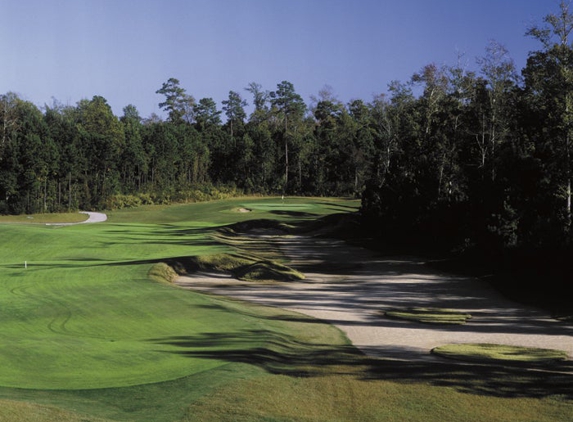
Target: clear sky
[[124, 50]]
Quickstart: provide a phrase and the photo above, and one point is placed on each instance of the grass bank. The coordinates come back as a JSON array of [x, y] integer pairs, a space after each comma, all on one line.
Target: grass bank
[[88, 335]]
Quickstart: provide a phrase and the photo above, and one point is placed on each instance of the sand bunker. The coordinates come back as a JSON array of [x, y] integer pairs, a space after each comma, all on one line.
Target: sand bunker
[[350, 287]]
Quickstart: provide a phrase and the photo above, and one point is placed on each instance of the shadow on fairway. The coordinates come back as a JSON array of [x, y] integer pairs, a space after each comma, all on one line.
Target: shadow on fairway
[[297, 214], [285, 355]]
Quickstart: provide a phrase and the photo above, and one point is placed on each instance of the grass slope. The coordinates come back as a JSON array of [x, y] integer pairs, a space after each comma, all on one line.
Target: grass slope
[[83, 314], [87, 335]]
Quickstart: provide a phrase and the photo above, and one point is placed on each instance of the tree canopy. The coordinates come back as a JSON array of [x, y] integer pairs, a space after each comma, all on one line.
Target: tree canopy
[[475, 156]]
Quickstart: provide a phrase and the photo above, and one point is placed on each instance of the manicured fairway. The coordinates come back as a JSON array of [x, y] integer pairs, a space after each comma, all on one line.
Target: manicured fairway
[[78, 311]]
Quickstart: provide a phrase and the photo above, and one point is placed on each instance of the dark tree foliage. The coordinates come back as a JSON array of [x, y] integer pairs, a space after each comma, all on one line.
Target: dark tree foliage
[[451, 156], [479, 160]]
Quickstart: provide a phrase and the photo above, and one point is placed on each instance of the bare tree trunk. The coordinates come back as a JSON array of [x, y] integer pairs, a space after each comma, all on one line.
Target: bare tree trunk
[[45, 194], [286, 163], [70, 192]]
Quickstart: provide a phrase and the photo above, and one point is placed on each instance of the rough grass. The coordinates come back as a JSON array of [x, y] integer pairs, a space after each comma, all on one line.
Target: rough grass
[[11, 411], [483, 352], [243, 267], [162, 273], [348, 398], [73, 217], [268, 271], [430, 315]]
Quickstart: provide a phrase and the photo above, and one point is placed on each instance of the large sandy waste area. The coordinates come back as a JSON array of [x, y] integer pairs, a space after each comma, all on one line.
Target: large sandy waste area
[[350, 287]]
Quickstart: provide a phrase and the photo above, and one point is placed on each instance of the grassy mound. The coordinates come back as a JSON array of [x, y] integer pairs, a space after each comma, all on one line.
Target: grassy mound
[[162, 273], [430, 315], [481, 352], [268, 271], [243, 267]]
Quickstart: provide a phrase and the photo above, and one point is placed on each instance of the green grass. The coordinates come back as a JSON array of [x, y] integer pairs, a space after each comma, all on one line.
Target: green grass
[[484, 352], [84, 312], [225, 212], [430, 315], [347, 398], [11, 410], [74, 217], [92, 330], [242, 267]]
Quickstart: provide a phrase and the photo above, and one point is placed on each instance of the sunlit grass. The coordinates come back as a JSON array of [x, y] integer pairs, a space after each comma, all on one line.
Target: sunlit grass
[[499, 352], [430, 315], [350, 398], [74, 217]]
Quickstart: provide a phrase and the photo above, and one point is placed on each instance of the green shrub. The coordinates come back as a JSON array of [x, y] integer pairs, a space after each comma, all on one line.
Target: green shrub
[[242, 267], [118, 202]]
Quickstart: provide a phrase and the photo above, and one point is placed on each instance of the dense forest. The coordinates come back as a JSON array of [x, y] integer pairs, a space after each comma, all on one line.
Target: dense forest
[[473, 156]]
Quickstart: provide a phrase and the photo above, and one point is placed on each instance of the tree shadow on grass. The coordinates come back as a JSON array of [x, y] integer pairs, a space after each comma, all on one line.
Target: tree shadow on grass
[[274, 352], [495, 380], [296, 214], [286, 355]]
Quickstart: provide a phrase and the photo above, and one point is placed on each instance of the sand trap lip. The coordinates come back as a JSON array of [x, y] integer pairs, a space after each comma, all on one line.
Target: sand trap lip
[[93, 217], [353, 297], [242, 209]]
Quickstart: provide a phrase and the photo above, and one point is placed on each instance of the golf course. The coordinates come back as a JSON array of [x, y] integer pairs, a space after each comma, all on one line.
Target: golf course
[[219, 311]]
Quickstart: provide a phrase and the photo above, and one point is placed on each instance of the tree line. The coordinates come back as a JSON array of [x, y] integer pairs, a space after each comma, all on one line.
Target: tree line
[[476, 157], [480, 159], [69, 157]]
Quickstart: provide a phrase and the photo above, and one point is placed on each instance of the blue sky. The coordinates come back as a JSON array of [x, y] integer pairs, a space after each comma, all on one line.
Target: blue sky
[[124, 50]]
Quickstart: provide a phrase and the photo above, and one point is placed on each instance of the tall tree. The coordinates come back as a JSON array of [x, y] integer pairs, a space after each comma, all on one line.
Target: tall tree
[[134, 160], [8, 119], [177, 102], [260, 97], [234, 110], [549, 83], [206, 113], [104, 140], [290, 107], [501, 77]]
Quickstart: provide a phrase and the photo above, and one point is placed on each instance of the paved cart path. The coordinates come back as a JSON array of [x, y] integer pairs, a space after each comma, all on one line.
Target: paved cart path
[[93, 217]]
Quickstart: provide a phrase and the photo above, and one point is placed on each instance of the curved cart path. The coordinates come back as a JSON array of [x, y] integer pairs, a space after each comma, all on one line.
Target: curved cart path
[[350, 287], [93, 217]]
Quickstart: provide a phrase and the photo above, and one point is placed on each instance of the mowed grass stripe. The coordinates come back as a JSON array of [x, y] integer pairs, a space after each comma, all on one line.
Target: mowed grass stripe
[[84, 313]]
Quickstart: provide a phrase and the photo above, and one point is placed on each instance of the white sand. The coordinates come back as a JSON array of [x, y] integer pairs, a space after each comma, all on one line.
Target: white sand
[[350, 287]]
